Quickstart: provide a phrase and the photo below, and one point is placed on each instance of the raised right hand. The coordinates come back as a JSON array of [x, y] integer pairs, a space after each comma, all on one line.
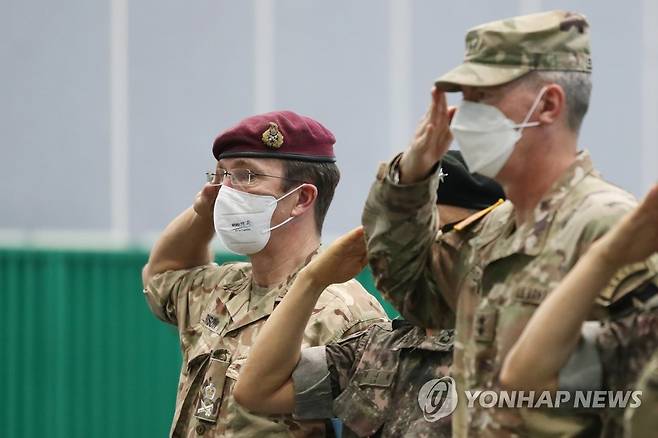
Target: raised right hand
[[431, 142], [204, 202]]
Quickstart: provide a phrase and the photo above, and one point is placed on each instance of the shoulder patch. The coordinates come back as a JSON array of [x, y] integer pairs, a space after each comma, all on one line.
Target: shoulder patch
[[477, 216], [627, 279]]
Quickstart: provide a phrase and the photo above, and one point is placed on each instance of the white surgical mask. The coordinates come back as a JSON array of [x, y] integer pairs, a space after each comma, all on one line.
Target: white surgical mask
[[486, 137], [242, 220]]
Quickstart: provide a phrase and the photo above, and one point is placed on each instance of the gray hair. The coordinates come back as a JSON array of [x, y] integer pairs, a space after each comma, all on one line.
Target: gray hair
[[577, 88]]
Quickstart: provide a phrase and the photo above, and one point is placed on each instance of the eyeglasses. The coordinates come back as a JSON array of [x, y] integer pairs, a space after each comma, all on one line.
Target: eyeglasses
[[240, 177]]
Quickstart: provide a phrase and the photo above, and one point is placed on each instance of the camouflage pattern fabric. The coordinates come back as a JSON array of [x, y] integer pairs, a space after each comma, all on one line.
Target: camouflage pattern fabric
[[501, 51], [217, 324], [626, 345], [377, 375], [495, 280], [642, 422]]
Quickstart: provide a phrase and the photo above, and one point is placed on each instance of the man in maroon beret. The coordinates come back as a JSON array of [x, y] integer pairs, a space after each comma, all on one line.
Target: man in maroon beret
[[266, 199]]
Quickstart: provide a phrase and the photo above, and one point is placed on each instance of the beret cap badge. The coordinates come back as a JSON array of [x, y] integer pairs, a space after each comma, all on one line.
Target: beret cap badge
[[272, 137]]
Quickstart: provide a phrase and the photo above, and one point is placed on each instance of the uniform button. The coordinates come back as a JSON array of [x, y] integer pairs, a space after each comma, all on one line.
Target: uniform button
[[200, 429]]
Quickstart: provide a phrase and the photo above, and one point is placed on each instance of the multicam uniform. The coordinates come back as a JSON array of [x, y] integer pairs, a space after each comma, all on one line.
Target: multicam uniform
[[219, 311], [495, 280], [372, 380], [611, 356], [642, 421]]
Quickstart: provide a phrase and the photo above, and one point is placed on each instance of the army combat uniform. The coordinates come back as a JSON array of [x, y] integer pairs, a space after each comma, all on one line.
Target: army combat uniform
[[393, 379], [496, 279], [372, 380], [219, 311], [611, 356], [642, 421]]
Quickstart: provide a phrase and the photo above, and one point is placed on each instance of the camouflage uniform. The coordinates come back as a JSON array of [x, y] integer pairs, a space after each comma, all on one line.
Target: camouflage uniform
[[642, 422], [372, 380], [219, 311], [615, 351], [495, 280]]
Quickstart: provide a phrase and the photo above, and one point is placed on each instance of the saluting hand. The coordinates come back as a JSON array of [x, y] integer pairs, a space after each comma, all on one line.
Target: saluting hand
[[204, 202], [635, 237], [432, 140], [341, 261]]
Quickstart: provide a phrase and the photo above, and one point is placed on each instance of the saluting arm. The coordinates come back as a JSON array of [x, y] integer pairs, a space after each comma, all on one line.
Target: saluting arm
[[400, 221], [185, 242], [265, 382]]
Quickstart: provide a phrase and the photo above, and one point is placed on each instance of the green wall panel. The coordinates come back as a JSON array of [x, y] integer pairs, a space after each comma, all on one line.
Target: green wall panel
[[82, 356]]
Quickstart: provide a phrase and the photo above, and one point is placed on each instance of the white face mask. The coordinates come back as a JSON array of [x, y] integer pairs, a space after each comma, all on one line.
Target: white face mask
[[242, 220], [486, 137]]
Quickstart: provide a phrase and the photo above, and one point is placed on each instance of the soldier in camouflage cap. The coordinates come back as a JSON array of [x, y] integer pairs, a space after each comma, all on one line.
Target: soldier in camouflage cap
[[377, 381], [526, 86]]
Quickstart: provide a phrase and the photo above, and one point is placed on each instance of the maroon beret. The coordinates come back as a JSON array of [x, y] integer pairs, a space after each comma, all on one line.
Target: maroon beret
[[279, 134]]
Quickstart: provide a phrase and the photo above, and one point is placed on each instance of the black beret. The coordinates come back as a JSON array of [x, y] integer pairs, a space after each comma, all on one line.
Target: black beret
[[461, 188]]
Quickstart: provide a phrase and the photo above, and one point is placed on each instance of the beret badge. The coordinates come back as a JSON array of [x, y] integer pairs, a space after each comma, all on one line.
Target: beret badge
[[272, 137]]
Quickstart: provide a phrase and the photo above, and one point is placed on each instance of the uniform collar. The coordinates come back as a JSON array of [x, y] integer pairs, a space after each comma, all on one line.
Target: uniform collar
[[533, 238], [530, 238], [265, 306]]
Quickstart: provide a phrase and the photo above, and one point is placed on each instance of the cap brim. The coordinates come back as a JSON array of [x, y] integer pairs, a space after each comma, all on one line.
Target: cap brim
[[472, 74]]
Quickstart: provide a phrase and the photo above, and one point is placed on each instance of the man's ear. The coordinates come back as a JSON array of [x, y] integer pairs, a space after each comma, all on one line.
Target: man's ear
[[553, 104], [305, 199]]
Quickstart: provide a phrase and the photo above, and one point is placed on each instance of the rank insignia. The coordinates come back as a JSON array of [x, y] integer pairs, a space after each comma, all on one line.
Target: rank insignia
[[211, 391], [442, 175], [272, 137], [208, 404]]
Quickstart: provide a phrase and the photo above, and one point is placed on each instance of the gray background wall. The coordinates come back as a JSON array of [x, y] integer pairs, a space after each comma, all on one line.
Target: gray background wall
[[108, 108]]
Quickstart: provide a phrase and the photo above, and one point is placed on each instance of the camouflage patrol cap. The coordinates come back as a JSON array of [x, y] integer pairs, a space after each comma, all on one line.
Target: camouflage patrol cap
[[501, 51]]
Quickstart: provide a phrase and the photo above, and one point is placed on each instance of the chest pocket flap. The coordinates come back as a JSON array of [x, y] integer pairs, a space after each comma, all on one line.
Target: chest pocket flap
[[365, 402]]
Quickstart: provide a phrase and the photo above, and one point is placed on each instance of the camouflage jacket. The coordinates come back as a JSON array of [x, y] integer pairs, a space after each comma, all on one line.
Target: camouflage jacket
[[495, 279], [616, 351], [642, 421], [372, 381], [217, 324]]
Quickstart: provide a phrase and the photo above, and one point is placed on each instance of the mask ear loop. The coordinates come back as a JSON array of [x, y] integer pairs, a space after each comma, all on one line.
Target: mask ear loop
[[525, 123], [277, 226], [287, 220], [287, 194]]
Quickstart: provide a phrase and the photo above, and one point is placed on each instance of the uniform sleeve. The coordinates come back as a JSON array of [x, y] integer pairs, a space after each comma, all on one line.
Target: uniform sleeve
[[342, 310], [177, 297], [312, 383], [584, 370], [400, 223], [629, 340], [597, 214], [610, 355], [640, 420], [321, 374]]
